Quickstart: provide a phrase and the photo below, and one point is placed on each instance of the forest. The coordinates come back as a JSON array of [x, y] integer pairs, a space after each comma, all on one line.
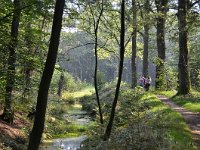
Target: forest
[[72, 79]]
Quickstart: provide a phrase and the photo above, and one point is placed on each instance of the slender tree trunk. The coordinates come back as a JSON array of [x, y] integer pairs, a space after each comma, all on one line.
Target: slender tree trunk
[[27, 85], [28, 68], [60, 85], [160, 66], [38, 127], [96, 27], [183, 69], [134, 46], [10, 78], [29, 64], [146, 40], [122, 49]]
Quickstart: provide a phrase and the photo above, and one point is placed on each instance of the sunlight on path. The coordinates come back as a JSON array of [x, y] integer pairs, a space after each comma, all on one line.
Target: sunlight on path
[[191, 118]]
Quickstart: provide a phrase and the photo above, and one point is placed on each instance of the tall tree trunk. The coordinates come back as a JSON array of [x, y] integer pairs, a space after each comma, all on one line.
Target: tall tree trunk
[[96, 27], [161, 18], [10, 79], [183, 69], [134, 46], [146, 40], [38, 127], [122, 49]]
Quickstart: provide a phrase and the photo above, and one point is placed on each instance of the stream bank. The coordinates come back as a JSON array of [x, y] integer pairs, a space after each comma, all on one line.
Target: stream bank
[[77, 118]]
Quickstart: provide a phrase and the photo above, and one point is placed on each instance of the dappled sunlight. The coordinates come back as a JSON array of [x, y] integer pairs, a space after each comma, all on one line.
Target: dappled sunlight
[[78, 94]]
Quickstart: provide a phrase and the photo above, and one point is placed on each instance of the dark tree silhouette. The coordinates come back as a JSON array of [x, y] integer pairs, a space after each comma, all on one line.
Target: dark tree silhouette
[[38, 127], [8, 114], [122, 49], [96, 27], [183, 69], [146, 39]]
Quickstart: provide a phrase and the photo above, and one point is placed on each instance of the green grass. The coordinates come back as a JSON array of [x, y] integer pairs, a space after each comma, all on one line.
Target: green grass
[[160, 126], [72, 130], [176, 129], [74, 96], [190, 102], [85, 92], [166, 93]]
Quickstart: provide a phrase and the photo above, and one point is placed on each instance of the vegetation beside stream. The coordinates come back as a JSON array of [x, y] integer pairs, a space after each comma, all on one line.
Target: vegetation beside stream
[[141, 122]]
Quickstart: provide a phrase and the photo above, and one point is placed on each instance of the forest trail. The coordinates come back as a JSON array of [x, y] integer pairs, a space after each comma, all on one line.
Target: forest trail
[[191, 118]]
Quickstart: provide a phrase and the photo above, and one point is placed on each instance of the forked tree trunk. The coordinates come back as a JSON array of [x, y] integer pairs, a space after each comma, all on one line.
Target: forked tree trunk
[[183, 69], [122, 49], [8, 114], [134, 46], [38, 126], [96, 27]]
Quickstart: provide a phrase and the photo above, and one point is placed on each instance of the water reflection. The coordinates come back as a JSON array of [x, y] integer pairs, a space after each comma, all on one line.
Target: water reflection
[[66, 144]]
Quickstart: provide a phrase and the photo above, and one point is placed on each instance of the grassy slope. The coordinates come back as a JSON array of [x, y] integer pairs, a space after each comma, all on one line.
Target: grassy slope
[[177, 131], [190, 102], [159, 126]]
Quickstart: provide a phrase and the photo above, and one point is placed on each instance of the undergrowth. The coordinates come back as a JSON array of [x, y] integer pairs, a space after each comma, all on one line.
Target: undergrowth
[[141, 122]]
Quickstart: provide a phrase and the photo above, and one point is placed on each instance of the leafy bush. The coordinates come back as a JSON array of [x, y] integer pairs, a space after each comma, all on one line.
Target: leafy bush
[[101, 80]]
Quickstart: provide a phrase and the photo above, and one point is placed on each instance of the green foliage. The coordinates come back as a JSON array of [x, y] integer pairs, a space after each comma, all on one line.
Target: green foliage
[[100, 79], [72, 84], [167, 78], [142, 122], [57, 109]]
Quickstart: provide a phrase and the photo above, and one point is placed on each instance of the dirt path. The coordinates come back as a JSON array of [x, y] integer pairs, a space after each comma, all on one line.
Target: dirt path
[[191, 118]]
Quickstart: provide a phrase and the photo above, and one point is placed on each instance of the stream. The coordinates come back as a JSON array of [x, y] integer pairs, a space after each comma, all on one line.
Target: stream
[[65, 143], [78, 117]]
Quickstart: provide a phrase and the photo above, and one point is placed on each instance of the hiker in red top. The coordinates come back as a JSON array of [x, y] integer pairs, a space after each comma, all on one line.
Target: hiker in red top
[[142, 81]]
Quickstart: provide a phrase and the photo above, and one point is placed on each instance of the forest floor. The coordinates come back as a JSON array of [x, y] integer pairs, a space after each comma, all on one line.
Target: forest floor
[[191, 118], [13, 135]]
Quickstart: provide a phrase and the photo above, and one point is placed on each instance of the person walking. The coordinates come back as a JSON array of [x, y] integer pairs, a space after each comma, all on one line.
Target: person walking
[[142, 81], [147, 83]]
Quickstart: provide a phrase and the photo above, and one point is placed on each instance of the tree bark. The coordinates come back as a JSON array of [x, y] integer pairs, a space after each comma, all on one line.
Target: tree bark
[[122, 50], [60, 85], [96, 27], [134, 46], [160, 66], [8, 114], [38, 127], [146, 40], [183, 68]]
